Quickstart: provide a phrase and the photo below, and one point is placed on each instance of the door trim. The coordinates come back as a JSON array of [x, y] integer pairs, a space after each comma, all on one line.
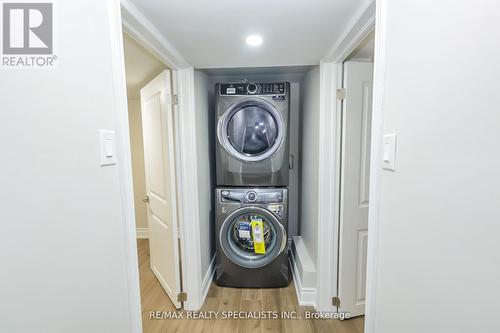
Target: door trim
[[331, 68], [188, 202], [137, 26], [125, 17], [125, 167], [376, 165], [329, 162]]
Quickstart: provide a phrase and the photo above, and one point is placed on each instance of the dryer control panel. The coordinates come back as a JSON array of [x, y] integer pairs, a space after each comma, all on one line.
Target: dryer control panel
[[238, 89]]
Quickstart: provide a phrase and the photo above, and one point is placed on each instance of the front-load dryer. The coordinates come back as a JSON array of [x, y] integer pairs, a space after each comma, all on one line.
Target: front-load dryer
[[252, 134], [251, 237]]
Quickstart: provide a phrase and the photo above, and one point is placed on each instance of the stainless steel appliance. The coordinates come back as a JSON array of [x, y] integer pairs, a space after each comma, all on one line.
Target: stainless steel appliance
[[252, 143], [251, 237]]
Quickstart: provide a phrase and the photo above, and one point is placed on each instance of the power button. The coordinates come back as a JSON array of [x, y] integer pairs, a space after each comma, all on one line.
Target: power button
[[252, 88]]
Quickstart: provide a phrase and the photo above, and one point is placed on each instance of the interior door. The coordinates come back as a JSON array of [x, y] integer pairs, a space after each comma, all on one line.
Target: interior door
[[353, 233], [157, 122]]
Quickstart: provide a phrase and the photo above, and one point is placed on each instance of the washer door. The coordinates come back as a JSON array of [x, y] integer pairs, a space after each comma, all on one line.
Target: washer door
[[251, 130], [237, 243]]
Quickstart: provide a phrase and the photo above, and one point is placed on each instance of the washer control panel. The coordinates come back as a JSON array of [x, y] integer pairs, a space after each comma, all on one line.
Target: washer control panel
[[238, 89], [278, 210], [274, 200]]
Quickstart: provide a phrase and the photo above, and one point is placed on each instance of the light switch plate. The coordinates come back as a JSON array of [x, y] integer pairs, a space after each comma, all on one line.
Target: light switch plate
[[389, 161], [107, 147]]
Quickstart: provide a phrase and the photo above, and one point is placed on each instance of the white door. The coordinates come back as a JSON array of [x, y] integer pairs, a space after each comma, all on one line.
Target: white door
[[353, 233], [158, 132]]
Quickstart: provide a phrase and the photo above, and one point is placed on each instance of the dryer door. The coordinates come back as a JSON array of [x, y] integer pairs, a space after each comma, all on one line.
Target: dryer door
[[251, 130], [237, 236]]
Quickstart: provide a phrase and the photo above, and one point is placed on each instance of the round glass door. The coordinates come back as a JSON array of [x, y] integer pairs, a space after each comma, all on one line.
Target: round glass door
[[252, 237], [252, 130]]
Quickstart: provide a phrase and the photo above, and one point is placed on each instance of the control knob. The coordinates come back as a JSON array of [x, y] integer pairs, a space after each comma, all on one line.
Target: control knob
[[251, 196], [252, 88]]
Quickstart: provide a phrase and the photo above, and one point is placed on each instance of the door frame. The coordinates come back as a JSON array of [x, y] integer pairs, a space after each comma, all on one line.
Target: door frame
[[331, 79], [377, 152], [126, 18]]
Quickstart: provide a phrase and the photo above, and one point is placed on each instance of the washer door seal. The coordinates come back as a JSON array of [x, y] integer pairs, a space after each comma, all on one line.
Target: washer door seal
[[251, 130], [240, 251]]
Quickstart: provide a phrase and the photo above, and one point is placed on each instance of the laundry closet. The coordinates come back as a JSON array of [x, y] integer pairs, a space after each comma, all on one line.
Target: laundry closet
[[245, 157], [255, 178]]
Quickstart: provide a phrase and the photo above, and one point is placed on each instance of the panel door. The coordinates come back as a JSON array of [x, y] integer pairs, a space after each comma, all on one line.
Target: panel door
[[159, 156], [353, 233]]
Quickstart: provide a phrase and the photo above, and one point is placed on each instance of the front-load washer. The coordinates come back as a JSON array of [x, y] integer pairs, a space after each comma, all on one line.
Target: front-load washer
[[252, 134], [251, 237]]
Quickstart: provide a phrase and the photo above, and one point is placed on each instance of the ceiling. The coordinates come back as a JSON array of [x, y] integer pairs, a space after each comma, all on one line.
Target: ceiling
[[211, 34], [140, 67]]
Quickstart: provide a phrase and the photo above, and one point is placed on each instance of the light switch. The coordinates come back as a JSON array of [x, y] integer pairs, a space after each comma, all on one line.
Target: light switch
[[107, 147], [389, 162]]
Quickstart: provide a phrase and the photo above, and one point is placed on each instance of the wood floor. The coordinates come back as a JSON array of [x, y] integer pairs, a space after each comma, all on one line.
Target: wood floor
[[232, 299]]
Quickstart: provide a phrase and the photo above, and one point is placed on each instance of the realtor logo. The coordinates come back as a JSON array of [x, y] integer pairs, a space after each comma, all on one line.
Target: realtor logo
[[27, 28], [27, 34]]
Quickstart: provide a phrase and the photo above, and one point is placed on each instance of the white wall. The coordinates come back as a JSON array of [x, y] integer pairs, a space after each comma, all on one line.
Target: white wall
[[204, 108], [62, 250], [438, 261], [310, 159], [138, 168]]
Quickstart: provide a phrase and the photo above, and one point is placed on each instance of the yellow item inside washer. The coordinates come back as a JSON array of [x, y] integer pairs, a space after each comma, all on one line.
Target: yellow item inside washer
[[258, 236]]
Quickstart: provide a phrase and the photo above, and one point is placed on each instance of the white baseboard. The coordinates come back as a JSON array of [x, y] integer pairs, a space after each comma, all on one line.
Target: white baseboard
[[142, 233], [306, 296], [207, 280]]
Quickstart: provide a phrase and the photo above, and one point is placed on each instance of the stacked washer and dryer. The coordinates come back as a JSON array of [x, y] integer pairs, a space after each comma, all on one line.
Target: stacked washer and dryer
[[252, 153]]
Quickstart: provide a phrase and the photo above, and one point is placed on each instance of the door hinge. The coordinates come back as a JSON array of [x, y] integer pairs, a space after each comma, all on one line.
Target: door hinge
[[340, 94], [336, 301], [182, 297], [174, 99]]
